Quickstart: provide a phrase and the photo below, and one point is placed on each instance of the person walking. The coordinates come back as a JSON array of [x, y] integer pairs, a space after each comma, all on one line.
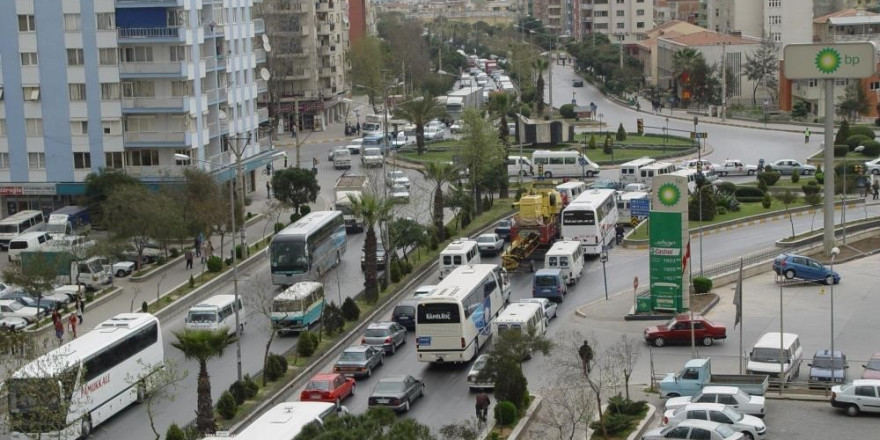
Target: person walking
[[59, 326], [807, 135], [210, 249], [268, 189], [79, 307], [71, 324], [876, 187], [204, 251], [482, 406], [188, 255]]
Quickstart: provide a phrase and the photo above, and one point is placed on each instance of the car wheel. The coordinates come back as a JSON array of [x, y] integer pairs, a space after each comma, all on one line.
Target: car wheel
[[751, 172], [548, 175], [748, 435], [353, 386], [141, 393], [671, 395], [707, 341], [852, 410], [789, 274], [369, 371], [659, 342], [875, 171], [406, 406], [393, 348], [382, 360], [829, 280], [338, 403]]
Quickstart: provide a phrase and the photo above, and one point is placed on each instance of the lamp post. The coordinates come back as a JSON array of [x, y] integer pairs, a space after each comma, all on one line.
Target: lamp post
[[834, 252], [665, 136], [603, 257]]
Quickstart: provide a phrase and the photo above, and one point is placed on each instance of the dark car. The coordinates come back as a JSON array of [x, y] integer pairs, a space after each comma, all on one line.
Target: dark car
[[678, 330], [27, 300], [797, 266], [380, 256], [397, 392], [404, 313], [359, 360], [505, 228], [577, 83]]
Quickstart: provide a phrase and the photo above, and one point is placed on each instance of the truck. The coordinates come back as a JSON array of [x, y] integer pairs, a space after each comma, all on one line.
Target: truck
[[736, 167], [460, 100], [697, 373], [537, 225], [87, 272], [348, 188], [68, 220]]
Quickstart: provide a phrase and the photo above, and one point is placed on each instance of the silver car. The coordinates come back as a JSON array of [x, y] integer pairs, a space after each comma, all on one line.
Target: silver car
[[490, 244], [474, 373], [791, 166], [359, 360], [385, 335]]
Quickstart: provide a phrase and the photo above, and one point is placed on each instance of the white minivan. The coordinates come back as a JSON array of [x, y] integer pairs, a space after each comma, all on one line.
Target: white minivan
[[458, 253], [29, 241], [215, 312], [341, 158], [764, 358], [517, 165], [519, 317], [568, 256], [563, 163]]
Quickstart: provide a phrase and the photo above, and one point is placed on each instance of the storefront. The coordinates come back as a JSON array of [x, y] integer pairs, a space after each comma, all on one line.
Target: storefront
[[46, 197]]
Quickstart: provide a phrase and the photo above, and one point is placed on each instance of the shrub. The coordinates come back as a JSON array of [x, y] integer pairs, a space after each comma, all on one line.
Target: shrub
[[144, 307], [707, 204], [249, 215], [215, 264], [855, 140], [228, 261], [813, 199], [283, 360], [591, 144], [175, 252], [250, 387], [525, 110], [841, 150], [795, 178], [278, 227], [702, 284], [842, 133], [90, 295], [276, 367], [304, 210], [160, 260], [238, 253], [567, 111], [175, 433], [820, 177], [864, 130], [226, 405], [192, 282], [621, 133], [614, 424], [512, 385], [395, 271], [334, 321], [505, 413], [305, 346], [238, 392], [762, 185], [726, 187], [872, 148], [620, 405], [769, 177], [294, 217], [350, 310], [812, 187], [748, 194], [720, 210], [766, 201]]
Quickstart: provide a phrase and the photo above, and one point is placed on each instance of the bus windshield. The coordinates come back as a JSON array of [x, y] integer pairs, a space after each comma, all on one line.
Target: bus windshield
[[439, 313], [289, 256], [579, 217], [202, 317], [288, 305], [8, 229], [34, 407]]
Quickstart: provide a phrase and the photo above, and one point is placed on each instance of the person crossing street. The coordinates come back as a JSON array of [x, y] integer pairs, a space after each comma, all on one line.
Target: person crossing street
[[482, 406]]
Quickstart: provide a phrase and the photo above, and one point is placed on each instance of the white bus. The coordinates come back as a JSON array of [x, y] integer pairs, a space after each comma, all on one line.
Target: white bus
[[562, 163], [215, 312], [629, 172], [648, 172], [570, 191], [19, 223], [458, 253], [67, 392], [519, 316], [308, 248], [454, 320], [285, 421], [590, 219]]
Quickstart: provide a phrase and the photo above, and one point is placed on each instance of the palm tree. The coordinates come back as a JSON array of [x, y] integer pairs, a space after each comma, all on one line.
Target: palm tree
[[202, 345], [439, 173], [541, 65], [500, 104], [684, 63], [420, 111], [373, 210]]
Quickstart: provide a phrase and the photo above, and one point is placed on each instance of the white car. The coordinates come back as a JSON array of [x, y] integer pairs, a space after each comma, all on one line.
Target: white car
[[372, 157], [751, 426], [636, 187], [732, 397], [397, 178], [400, 193], [10, 308], [456, 127], [13, 323], [735, 167], [549, 306], [423, 290], [433, 133], [694, 429], [860, 395], [472, 381], [694, 164], [873, 166], [490, 244]]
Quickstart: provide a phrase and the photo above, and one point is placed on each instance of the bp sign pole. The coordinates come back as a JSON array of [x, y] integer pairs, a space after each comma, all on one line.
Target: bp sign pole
[[829, 62]]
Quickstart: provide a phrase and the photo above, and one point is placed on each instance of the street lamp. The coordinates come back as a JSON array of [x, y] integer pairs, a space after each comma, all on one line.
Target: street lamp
[[834, 252]]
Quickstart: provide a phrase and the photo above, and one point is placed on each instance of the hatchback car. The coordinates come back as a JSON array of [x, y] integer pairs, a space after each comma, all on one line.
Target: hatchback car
[[823, 370], [328, 387], [694, 429], [397, 392], [797, 266], [385, 335], [359, 360], [791, 166]]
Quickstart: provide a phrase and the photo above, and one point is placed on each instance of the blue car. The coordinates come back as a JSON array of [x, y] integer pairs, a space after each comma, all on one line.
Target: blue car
[[823, 369], [550, 284], [796, 266]]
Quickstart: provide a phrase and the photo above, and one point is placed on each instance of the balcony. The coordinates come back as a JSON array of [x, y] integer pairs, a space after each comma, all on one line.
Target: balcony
[[325, 72], [262, 86], [154, 172], [328, 50], [155, 104], [299, 74], [259, 26], [156, 139], [217, 95], [213, 63], [260, 55], [262, 115], [216, 129], [328, 92], [213, 30], [151, 34], [167, 70], [121, 4], [324, 29]]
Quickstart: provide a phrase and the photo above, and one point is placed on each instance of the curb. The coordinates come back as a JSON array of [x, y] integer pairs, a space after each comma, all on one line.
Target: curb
[[526, 420], [703, 311]]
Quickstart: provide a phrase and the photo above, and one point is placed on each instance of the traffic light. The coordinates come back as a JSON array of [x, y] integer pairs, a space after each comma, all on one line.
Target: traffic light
[[640, 126]]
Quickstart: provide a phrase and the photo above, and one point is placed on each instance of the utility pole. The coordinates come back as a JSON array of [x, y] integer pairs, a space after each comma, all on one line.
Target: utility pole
[[296, 132], [723, 80], [550, 75]]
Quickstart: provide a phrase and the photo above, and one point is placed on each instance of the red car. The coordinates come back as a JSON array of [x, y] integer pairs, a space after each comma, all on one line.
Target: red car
[[678, 330], [328, 387]]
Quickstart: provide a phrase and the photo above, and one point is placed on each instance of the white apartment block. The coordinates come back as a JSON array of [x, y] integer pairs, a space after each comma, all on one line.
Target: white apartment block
[[781, 21], [124, 84], [622, 20]]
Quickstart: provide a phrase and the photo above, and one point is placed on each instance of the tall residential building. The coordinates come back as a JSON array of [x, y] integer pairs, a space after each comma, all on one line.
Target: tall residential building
[[781, 21], [361, 20], [622, 20], [308, 62], [124, 84]]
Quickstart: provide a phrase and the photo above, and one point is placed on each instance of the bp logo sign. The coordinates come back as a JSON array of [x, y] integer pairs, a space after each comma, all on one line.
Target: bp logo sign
[[668, 194], [828, 60]]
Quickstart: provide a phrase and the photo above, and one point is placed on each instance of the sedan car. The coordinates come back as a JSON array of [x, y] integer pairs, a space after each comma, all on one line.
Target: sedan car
[[605, 184], [678, 330], [490, 244], [694, 429], [455, 127], [750, 426], [380, 256], [13, 323], [433, 133], [385, 335], [10, 308], [873, 166], [577, 83], [474, 373], [732, 397], [359, 360], [400, 194], [872, 368], [824, 370], [328, 387], [505, 228], [791, 166], [24, 299], [549, 306], [397, 177], [859, 396], [397, 392], [797, 266]]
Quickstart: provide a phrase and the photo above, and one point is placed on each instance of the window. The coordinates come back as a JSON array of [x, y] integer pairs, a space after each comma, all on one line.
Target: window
[[144, 158], [113, 160], [111, 128], [176, 18], [79, 128], [106, 21], [82, 161], [640, 25], [143, 89], [34, 127], [140, 124], [75, 57], [136, 54], [77, 91], [120, 352], [865, 391], [182, 162], [109, 91], [2, 127], [840, 82], [775, 3], [875, 85], [71, 23], [720, 417], [776, 36], [640, 12], [37, 161], [4, 161], [180, 88], [812, 83], [619, 13], [31, 93], [28, 58], [107, 57], [700, 434], [26, 23], [178, 54], [775, 19], [620, 26]]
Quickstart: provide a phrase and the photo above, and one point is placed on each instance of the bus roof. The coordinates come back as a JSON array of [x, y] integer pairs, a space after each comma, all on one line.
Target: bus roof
[[215, 301], [285, 420], [556, 153], [564, 247], [81, 348], [634, 195], [572, 184], [459, 246], [517, 312], [658, 165], [592, 197], [299, 290], [459, 283], [19, 216], [640, 162], [70, 210], [310, 223]]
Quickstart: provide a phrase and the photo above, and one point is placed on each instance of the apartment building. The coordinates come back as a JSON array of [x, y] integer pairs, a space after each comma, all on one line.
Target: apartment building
[[646, 50], [127, 85], [310, 41], [781, 21], [621, 20], [676, 10]]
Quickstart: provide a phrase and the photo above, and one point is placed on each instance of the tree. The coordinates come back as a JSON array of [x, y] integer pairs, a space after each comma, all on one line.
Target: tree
[[504, 363], [204, 201], [295, 187], [479, 151], [787, 198], [131, 214], [419, 111], [159, 384], [501, 104], [373, 210], [625, 354], [465, 430], [566, 412], [842, 133], [203, 345], [684, 65], [704, 199], [407, 234], [855, 102], [367, 61], [374, 424], [98, 187], [261, 302], [37, 274], [438, 173], [761, 67], [540, 65]]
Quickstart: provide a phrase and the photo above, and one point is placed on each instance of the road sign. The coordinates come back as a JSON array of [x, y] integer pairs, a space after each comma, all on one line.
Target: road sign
[[640, 207], [582, 161], [699, 135], [829, 61]]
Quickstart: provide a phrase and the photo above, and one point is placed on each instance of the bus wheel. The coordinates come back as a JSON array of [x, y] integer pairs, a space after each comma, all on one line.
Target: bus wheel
[[141, 392], [240, 330], [85, 428]]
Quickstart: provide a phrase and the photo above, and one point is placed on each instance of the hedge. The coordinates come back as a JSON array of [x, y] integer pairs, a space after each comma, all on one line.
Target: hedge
[[748, 194], [855, 140], [863, 130]]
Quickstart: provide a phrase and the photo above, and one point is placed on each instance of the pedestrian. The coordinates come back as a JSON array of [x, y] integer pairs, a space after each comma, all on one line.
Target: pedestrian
[[71, 325], [586, 354], [79, 307], [204, 251], [268, 189], [482, 406], [876, 188], [760, 165], [188, 255], [358, 128], [210, 250], [638, 106], [619, 232], [197, 245], [59, 326], [807, 135]]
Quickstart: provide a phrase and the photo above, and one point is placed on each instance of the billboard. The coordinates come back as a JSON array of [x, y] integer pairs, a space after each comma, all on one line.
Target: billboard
[[669, 243]]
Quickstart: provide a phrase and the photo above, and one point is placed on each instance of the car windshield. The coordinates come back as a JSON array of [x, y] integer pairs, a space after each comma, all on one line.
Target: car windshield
[[873, 364], [825, 362], [202, 317], [376, 332], [503, 224], [353, 356], [766, 355], [670, 323], [734, 415], [479, 364], [15, 306], [322, 385], [725, 431], [389, 387], [486, 239]]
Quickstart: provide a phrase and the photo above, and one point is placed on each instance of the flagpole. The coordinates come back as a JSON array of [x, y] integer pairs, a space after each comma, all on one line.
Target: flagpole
[[739, 314]]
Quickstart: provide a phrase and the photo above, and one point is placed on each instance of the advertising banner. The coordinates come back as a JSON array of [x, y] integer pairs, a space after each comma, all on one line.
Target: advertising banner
[[669, 243]]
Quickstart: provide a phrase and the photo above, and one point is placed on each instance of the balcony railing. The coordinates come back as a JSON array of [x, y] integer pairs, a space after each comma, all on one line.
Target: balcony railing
[[152, 68], [324, 29], [262, 114], [148, 32], [154, 171], [154, 102], [259, 26], [177, 137], [325, 50], [213, 29], [325, 71], [216, 95], [260, 55], [262, 86]]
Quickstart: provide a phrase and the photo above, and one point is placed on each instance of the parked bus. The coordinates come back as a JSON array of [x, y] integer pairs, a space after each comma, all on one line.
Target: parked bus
[[591, 219], [69, 220], [298, 307], [66, 393], [454, 320], [570, 191], [215, 312], [629, 172], [308, 248], [19, 223], [563, 163], [285, 421]]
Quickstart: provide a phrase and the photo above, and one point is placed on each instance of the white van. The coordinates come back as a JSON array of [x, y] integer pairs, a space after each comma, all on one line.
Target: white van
[[90, 273], [691, 176], [19, 223], [519, 164], [570, 191], [629, 172], [458, 253], [215, 312], [29, 241], [341, 158], [764, 356], [519, 317], [563, 163], [647, 173], [567, 256]]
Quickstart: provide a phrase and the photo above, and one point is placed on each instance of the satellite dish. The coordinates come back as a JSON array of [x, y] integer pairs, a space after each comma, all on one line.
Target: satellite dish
[[265, 39], [264, 73], [222, 114], [267, 47]]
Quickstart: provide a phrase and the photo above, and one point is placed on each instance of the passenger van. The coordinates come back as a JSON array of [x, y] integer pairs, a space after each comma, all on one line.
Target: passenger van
[[298, 307], [691, 176], [570, 191], [341, 158], [629, 172], [550, 284], [29, 241], [567, 256], [624, 201], [519, 317], [764, 356], [519, 164], [19, 223], [647, 173], [458, 253], [563, 163], [215, 312]]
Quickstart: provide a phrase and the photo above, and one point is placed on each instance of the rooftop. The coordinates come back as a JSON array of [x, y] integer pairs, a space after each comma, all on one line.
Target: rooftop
[[852, 12], [709, 38]]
